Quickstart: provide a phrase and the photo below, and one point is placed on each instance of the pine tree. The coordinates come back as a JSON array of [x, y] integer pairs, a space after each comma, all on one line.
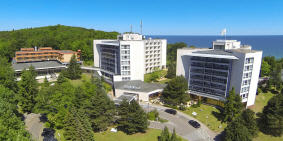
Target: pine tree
[[175, 93], [77, 126], [74, 70], [271, 119], [61, 79], [101, 110], [232, 107], [7, 77], [171, 71], [236, 131], [165, 135], [93, 98], [45, 82], [132, 117], [249, 120], [174, 136], [28, 90]]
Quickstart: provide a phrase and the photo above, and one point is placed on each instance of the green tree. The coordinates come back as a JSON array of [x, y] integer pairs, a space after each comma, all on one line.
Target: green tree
[[265, 68], [11, 125], [275, 77], [236, 131], [74, 70], [249, 120], [58, 37], [232, 107], [175, 93], [45, 82], [271, 119], [61, 78], [7, 77], [132, 118], [171, 70], [28, 90], [77, 126], [174, 136], [92, 97], [271, 60], [165, 135], [172, 51], [172, 58]]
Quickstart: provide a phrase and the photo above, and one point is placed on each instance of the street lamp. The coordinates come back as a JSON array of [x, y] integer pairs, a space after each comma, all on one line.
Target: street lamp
[[206, 119]]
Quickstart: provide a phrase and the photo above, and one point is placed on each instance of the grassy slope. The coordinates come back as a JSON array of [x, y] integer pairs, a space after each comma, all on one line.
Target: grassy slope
[[211, 122], [260, 102], [150, 135]]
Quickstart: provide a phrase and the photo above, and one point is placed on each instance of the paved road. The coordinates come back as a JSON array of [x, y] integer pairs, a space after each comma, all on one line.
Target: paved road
[[180, 123], [34, 126]]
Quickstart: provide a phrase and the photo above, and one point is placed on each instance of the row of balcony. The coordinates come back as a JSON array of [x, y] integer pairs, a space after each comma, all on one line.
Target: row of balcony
[[209, 78], [210, 65], [209, 72], [206, 59], [207, 91], [208, 85]]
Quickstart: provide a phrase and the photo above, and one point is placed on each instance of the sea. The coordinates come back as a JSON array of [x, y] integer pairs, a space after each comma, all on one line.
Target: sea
[[271, 45]]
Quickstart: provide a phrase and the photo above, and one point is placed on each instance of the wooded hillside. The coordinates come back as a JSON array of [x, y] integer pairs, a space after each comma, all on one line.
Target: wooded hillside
[[58, 37]]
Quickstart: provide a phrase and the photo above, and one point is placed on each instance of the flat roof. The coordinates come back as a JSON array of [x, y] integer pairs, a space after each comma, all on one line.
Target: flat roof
[[67, 51], [215, 52], [37, 65], [138, 86], [241, 50], [128, 98]]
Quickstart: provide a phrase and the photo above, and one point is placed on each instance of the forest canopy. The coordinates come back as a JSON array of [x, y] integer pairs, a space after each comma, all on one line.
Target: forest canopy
[[58, 36]]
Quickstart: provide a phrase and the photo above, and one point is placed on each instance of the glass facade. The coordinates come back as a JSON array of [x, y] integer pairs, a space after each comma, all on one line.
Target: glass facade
[[110, 58], [209, 76]]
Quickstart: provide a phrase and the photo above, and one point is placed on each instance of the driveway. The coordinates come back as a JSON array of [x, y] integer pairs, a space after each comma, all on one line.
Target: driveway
[[34, 126], [181, 125]]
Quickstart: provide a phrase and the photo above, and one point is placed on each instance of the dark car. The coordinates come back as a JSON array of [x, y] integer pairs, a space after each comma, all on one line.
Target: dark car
[[194, 123], [171, 111]]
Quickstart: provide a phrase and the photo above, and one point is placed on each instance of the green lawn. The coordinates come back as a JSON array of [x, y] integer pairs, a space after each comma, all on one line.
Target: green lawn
[[87, 77], [211, 113], [61, 137], [150, 135], [263, 137], [260, 101], [79, 82]]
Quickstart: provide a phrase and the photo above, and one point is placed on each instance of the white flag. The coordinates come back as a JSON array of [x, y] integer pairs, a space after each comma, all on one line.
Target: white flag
[[223, 32]]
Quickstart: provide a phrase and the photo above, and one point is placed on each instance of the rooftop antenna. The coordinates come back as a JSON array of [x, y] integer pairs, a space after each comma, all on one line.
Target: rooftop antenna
[[131, 28], [223, 33], [141, 27]]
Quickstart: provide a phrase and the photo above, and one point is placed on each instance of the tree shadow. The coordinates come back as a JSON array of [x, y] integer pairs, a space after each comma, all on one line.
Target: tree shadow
[[43, 118], [219, 137], [217, 115], [48, 134]]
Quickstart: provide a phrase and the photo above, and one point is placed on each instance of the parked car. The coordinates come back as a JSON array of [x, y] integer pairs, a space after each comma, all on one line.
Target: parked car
[[171, 111], [194, 123]]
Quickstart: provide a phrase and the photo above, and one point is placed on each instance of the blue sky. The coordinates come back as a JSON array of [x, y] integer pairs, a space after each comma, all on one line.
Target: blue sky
[[160, 17]]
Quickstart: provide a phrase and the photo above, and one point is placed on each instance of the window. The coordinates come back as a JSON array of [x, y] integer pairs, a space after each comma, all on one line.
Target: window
[[247, 75], [245, 89], [249, 60], [126, 78], [248, 68], [246, 82], [125, 47]]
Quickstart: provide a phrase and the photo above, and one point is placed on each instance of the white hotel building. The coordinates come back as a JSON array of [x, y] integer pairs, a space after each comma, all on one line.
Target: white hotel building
[[129, 57], [211, 73]]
